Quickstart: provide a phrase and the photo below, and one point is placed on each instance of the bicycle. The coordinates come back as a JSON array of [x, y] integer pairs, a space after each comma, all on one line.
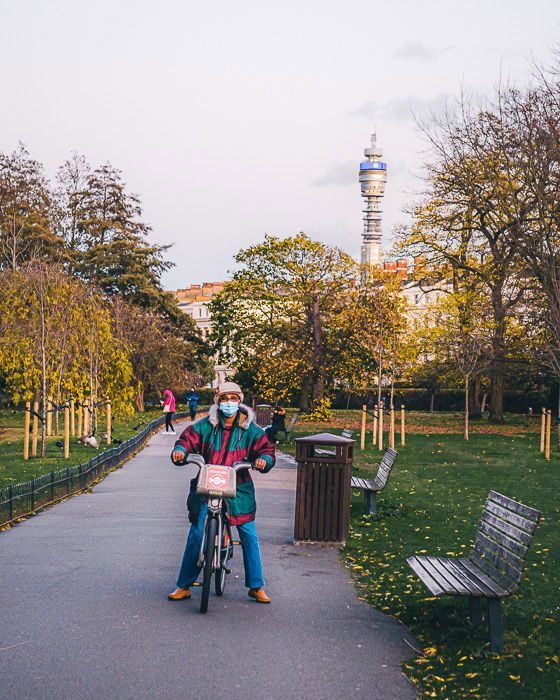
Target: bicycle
[[217, 482]]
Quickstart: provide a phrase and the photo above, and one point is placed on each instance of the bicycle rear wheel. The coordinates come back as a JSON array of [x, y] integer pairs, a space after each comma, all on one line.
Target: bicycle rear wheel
[[208, 563]]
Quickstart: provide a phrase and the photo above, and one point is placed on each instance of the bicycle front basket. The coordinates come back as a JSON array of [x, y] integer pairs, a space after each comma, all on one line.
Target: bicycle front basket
[[216, 480]]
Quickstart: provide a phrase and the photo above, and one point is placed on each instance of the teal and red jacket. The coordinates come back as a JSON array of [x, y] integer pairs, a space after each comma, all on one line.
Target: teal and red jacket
[[244, 441]]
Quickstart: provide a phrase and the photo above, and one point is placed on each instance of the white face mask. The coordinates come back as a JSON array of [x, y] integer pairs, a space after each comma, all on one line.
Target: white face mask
[[229, 408]]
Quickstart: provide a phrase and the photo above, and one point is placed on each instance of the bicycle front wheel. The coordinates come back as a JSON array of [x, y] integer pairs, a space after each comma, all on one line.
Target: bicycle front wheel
[[226, 552], [211, 533]]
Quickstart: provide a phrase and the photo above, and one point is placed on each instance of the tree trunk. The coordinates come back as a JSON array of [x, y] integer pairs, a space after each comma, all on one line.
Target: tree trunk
[[497, 366], [432, 399], [304, 402], [319, 370], [466, 408], [483, 402], [558, 421], [139, 397], [474, 399]]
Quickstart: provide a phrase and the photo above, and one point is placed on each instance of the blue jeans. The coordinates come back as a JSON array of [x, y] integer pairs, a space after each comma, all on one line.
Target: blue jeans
[[251, 553]]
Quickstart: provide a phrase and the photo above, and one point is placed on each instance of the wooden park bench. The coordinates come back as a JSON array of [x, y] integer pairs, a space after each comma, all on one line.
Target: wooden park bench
[[290, 429], [493, 570], [346, 433], [371, 487]]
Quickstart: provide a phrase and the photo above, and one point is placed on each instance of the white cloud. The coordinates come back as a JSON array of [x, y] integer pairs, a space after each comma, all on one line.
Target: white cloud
[[344, 173], [417, 51], [367, 110], [402, 109]]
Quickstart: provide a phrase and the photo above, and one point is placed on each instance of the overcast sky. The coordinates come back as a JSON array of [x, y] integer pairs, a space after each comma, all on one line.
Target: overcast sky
[[232, 119]]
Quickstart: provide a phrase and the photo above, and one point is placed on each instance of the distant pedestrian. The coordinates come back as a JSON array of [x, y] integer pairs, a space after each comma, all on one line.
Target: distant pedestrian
[[277, 425], [168, 405], [192, 399]]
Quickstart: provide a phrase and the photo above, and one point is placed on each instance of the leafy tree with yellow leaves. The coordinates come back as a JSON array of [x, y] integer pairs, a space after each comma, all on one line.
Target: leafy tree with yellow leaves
[[57, 340], [298, 317]]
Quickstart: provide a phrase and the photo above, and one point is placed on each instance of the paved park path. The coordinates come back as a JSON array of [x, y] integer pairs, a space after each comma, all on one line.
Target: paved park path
[[83, 596]]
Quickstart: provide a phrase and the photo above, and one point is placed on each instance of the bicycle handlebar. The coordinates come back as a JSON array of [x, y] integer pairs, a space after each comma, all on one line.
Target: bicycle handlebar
[[194, 458]]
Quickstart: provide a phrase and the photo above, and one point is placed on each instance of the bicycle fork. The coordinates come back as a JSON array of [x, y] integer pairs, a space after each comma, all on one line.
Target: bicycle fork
[[214, 511]]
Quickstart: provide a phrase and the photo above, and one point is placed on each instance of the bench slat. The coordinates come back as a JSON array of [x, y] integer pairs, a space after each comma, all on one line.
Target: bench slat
[[364, 484], [515, 506], [478, 588], [496, 557], [511, 518], [427, 579], [494, 574], [445, 581], [486, 544], [499, 592], [506, 528], [513, 545], [380, 484], [461, 584]]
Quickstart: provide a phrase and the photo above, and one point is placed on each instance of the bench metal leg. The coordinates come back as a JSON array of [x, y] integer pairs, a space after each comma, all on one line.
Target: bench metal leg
[[475, 608], [371, 501], [495, 622]]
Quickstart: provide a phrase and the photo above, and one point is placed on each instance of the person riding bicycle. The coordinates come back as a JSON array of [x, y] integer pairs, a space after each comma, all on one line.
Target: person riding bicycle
[[226, 436]]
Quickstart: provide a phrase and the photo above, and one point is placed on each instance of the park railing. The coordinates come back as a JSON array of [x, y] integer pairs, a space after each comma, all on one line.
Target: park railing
[[21, 500]]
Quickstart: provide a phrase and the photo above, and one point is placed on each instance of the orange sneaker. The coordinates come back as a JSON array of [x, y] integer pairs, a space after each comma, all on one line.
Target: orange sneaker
[[179, 594], [259, 595]]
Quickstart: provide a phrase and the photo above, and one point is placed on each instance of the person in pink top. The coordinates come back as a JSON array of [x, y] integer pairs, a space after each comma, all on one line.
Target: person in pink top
[[168, 404]]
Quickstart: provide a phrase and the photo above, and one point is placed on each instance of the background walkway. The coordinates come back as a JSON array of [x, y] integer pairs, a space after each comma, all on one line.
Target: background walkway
[[83, 594]]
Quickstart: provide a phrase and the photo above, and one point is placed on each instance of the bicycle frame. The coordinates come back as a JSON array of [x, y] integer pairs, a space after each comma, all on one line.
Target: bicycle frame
[[215, 510], [216, 482]]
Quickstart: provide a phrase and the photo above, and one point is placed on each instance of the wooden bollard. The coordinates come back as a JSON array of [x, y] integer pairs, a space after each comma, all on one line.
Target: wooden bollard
[[49, 416], [403, 434], [363, 431], [26, 418], [547, 441], [72, 423], [374, 435], [392, 427], [67, 431], [108, 421], [35, 431], [80, 416], [543, 428], [380, 428]]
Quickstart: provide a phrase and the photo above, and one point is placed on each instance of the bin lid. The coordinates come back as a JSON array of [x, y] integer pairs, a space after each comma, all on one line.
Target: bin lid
[[325, 439]]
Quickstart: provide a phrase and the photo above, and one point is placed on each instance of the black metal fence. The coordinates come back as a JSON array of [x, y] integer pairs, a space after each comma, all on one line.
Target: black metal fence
[[23, 499]]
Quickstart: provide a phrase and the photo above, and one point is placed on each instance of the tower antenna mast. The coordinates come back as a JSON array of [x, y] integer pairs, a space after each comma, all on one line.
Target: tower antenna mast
[[373, 177]]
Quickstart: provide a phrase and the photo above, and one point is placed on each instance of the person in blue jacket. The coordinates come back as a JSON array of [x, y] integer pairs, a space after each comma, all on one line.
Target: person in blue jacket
[[192, 398]]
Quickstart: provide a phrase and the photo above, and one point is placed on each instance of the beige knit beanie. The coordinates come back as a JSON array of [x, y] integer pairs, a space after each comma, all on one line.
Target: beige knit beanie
[[228, 388]]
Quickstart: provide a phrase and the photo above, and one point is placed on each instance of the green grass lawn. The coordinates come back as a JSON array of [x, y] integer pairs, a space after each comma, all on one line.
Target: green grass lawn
[[431, 506], [15, 470]]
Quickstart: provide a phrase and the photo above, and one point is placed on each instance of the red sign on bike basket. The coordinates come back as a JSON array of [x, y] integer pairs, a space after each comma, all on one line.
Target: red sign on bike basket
[[216, 479]]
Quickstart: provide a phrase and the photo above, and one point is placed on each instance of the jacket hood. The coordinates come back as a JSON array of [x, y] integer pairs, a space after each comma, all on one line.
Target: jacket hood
[[247, 416]]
